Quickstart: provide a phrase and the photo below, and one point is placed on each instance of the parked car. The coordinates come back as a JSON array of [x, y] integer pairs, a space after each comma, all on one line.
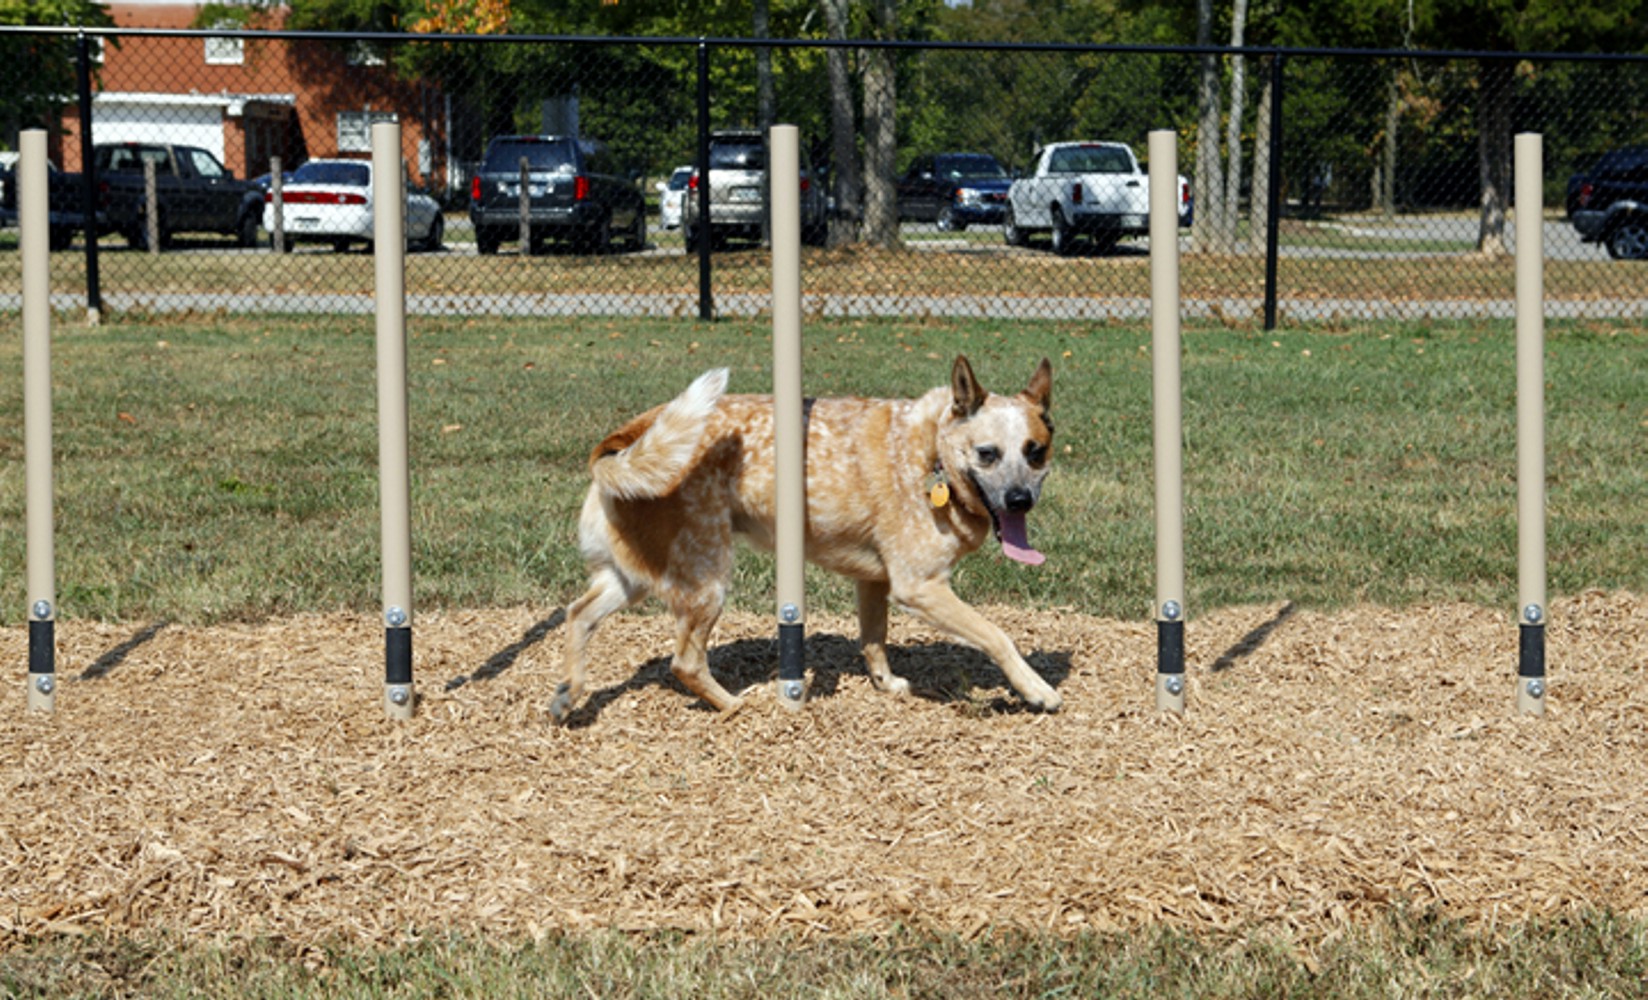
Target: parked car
[[194, 191], [1092, 189], [331, 201], [739, 206], [671, 195], [576, 193], [1608, 204], [954, 190], [65, 201]]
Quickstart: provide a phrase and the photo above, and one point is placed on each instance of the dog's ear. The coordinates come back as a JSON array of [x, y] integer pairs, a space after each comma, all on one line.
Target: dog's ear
[[965, 392], [1040, 389]]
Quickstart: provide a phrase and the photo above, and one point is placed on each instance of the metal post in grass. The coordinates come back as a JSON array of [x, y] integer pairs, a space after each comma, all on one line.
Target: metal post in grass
[[33, 223], [277, 198], [395, 486], [1530, 422], [1167, 422], [789, 430], [524, 207]]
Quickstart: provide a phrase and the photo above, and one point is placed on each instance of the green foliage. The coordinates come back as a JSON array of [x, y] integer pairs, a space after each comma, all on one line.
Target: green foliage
[[37, 73]]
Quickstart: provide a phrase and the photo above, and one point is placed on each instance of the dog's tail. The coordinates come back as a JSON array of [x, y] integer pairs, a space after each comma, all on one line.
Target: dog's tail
[[648, 456]]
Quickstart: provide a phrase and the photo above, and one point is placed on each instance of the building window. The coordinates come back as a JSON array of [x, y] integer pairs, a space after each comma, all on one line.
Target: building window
[[225, 51], [355, 129]]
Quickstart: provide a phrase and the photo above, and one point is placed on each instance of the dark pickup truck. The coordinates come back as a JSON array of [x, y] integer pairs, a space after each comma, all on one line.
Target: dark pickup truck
[[66, 205], [1608, 204], [196, 194]]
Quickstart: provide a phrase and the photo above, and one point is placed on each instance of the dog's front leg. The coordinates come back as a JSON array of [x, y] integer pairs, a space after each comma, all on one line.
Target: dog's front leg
[[872, 636], [936, 602]]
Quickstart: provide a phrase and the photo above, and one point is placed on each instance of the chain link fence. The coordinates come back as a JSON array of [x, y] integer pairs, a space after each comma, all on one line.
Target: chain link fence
[[1318, 185]]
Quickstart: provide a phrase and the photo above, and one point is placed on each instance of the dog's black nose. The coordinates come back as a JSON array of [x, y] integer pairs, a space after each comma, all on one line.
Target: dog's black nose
[[1019, 500]]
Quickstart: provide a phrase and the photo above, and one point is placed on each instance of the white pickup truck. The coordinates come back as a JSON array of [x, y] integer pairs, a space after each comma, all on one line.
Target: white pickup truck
[[1092, 189]]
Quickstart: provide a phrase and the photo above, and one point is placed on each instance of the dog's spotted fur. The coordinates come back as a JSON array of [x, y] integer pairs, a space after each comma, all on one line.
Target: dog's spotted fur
[[673, 486]]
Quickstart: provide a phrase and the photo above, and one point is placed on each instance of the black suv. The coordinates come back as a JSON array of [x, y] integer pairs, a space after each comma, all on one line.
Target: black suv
[[576, 194], [1609, 203]]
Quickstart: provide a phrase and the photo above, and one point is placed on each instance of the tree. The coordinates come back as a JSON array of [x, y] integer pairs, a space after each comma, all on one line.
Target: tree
[[41, 68], [844, 177], [881, 131], [1208, 182], [1532, 25]]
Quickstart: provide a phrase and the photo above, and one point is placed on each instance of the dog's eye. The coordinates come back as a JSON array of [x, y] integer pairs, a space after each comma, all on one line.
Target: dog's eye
[[1036, 454], [988, 454]]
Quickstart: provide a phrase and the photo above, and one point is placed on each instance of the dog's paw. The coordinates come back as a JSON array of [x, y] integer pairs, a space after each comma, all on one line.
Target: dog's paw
[[1047, 701], [893, 685], [561, 706]]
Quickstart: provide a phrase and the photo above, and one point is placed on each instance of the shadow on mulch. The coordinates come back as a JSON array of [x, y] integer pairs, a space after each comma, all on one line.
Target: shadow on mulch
[[941, 672], [116, 656], [1249, 644], [505, 658]]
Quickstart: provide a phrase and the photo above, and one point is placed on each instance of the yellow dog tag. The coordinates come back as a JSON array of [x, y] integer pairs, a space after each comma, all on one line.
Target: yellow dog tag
[[939, 495]]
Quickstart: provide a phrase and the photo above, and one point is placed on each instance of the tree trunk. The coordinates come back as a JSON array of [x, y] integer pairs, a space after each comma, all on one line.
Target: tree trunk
[[1259, 200], [1231, 218], [1208, 182], [880, 133], [764, 111], [844, 173], [765, 104], [1393, 123], [1493, 145]]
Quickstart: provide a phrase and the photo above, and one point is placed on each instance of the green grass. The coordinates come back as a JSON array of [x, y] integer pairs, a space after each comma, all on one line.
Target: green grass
[[217, 469], [1408, 956]]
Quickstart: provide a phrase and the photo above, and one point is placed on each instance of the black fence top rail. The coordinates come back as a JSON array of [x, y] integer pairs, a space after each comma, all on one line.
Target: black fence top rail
[[394, 37]]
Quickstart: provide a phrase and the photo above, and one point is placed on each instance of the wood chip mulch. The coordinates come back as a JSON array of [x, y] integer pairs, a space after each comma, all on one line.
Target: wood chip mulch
[[243, 780]]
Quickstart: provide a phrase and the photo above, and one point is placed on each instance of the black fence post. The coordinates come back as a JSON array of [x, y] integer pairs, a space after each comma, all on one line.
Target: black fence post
[[706, 301], [88, 176], [1273, 196]]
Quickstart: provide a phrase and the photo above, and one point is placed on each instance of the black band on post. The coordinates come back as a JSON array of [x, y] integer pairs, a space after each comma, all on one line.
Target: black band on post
[[1170, 656], [43, 647], [1531, 651], [397, 656], [791, 665]]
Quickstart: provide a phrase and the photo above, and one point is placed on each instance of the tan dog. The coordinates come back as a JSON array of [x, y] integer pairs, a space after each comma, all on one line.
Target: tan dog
[[897, 492]]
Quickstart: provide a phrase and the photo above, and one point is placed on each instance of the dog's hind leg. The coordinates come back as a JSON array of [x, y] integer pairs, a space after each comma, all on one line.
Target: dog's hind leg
[[936, 602], [607, 593], [872, 636], [691, 663]]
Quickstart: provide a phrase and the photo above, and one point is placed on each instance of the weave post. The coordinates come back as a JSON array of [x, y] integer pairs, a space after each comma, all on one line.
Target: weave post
[[33, 223], [1167, 420], [1530, 423], [395, 485], [789, 445]]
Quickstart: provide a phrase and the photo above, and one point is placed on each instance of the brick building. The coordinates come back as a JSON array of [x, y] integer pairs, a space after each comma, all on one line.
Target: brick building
[[248, 99]]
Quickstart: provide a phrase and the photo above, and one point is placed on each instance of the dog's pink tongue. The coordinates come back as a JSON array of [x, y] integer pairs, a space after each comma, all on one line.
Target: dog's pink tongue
[[1015, 542]]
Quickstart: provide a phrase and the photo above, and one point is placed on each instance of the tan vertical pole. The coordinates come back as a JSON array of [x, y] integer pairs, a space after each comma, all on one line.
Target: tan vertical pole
[[277, 198], [32, 223], [789, 428], [1168, 425], [1530, 422], [151, 205], [389, 250]]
